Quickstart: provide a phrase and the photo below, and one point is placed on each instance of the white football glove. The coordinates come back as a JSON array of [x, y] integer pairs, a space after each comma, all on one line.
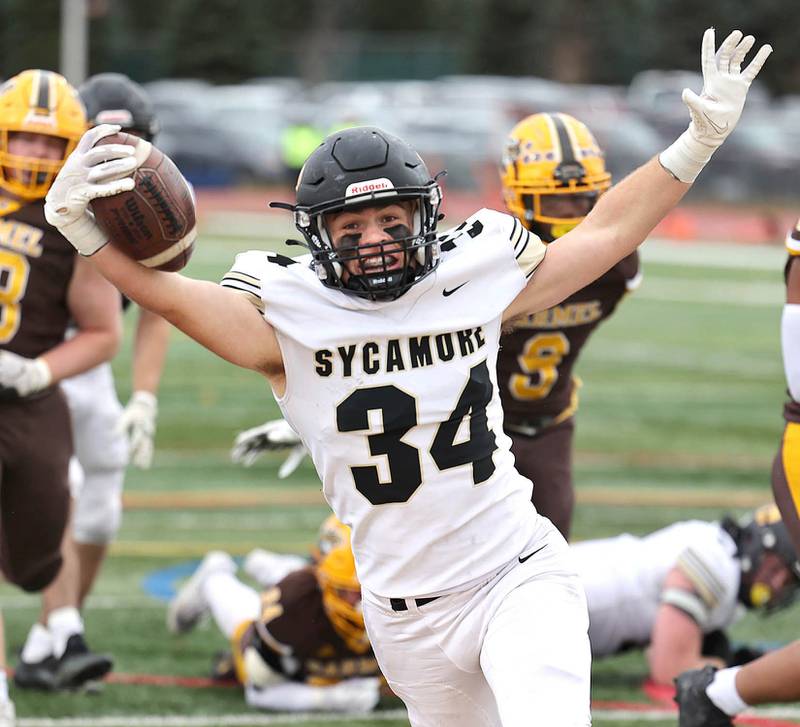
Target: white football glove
[[250, 444], [89, 172], [25, 375], [138, 423], [717, 109]]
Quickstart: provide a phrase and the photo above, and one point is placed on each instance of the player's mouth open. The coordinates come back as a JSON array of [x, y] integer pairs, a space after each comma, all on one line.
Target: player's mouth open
[[379, 263]]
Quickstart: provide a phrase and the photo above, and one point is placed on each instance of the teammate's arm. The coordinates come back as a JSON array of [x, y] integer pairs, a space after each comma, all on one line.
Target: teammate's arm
[[149, 351], [676, 641], [138, 419], [626, 214]]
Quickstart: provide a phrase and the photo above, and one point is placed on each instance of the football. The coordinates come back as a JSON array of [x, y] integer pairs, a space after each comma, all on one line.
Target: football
[[155, 222]]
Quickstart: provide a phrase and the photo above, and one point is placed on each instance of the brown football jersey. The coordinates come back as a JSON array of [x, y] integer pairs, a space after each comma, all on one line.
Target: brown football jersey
[[534, 369], [36, 265], [296, 638], [791, 410]]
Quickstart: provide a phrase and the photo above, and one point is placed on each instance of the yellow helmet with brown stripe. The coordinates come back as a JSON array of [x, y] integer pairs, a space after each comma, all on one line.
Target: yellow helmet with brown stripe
[[341, 590], [552, 173], [37, 102]]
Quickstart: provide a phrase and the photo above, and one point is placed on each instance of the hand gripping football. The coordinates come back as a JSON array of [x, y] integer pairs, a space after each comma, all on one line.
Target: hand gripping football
[[155, 222]]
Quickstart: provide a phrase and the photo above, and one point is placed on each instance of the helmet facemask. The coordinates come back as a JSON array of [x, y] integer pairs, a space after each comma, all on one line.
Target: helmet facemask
[[381, 277], [341, 590], [770, 570], [41, 103], [549, 158], [354, 169], [29, 177]]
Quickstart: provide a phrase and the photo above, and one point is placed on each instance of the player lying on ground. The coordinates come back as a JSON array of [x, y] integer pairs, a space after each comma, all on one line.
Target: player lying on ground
[[379, 345], [675, 591], [301, 645]]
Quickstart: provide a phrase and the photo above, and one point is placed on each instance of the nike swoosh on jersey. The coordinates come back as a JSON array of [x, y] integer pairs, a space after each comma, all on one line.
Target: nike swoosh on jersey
[[530, 555], [447, 292]]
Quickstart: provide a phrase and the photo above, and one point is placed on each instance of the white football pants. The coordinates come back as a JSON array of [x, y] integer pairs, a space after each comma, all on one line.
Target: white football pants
[[101, 452], [512, 651]]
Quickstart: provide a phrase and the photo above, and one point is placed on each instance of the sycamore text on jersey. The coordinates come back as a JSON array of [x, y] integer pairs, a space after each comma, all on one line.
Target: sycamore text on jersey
[[399, 354]]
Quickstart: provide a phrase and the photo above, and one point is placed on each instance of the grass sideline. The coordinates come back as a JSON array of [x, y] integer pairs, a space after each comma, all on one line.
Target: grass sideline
[[680, 417]]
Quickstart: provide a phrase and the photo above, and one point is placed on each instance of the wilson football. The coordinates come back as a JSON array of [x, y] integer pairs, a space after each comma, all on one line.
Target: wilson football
[[155, 222]]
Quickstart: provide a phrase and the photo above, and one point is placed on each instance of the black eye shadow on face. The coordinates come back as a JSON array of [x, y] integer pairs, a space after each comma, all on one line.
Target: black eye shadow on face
[[350, 241], [398, 232]]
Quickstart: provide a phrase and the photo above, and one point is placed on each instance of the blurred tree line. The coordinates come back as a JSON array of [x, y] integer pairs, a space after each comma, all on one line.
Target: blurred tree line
[[566, 40]]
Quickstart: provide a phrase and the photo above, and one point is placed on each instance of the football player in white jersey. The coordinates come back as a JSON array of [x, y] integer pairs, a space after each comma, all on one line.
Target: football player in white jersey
[[380, 347], [673, 588]]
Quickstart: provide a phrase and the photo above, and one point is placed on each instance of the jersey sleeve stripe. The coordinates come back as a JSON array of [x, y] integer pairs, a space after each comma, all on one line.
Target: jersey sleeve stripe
[[702, 578], [235, 280], [243, 277], [793, 242], [254, 298], [522, 249]]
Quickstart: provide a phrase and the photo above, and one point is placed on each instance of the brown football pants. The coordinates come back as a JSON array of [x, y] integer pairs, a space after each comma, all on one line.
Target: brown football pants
[[546, 459], [35, 447], [786, 480]]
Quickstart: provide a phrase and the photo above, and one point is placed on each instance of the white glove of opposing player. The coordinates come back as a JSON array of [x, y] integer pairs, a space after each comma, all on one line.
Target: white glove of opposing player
[[250, 444], [89, 172], [25, 375], [717, 109], [138, 423]]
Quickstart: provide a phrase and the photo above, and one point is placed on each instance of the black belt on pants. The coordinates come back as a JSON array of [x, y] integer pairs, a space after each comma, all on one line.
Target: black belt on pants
[[400, 604]]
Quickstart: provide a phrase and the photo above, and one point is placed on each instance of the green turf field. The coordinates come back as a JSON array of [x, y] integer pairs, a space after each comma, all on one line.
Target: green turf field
[[680, 417]]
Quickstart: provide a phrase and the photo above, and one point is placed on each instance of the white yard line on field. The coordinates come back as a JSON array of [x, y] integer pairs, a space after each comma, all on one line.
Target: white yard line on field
[[652, 714]]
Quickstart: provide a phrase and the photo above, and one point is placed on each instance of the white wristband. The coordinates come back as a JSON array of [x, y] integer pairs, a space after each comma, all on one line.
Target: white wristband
[[686, 157], [84, 235], [722, 691], [42, 376]]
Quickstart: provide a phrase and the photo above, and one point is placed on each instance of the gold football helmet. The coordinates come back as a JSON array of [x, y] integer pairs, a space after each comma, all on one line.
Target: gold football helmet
[[341, 591], [333, 533], [552, 172], [38, 102]]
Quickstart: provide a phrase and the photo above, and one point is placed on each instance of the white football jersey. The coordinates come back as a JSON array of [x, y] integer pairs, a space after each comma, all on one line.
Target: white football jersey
[[624, 576], [397, 403]]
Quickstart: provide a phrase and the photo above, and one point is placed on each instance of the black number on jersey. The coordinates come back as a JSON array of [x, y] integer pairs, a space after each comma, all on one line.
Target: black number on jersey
[[399, 412], [282, 260], [481, 443], [446, 241], [399, 415]]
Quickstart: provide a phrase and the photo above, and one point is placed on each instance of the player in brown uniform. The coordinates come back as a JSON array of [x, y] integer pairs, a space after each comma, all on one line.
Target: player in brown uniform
[[710, 698], [786, 467], [552, 174], [43, 285], [299, 645]]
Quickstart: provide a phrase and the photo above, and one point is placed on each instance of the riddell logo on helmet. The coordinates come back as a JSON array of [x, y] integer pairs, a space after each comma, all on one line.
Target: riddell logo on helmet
[[370, 185]]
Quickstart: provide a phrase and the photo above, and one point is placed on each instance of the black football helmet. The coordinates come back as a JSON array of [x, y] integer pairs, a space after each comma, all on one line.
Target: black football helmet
[[367, 167], [113, 98], [763, 532]]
